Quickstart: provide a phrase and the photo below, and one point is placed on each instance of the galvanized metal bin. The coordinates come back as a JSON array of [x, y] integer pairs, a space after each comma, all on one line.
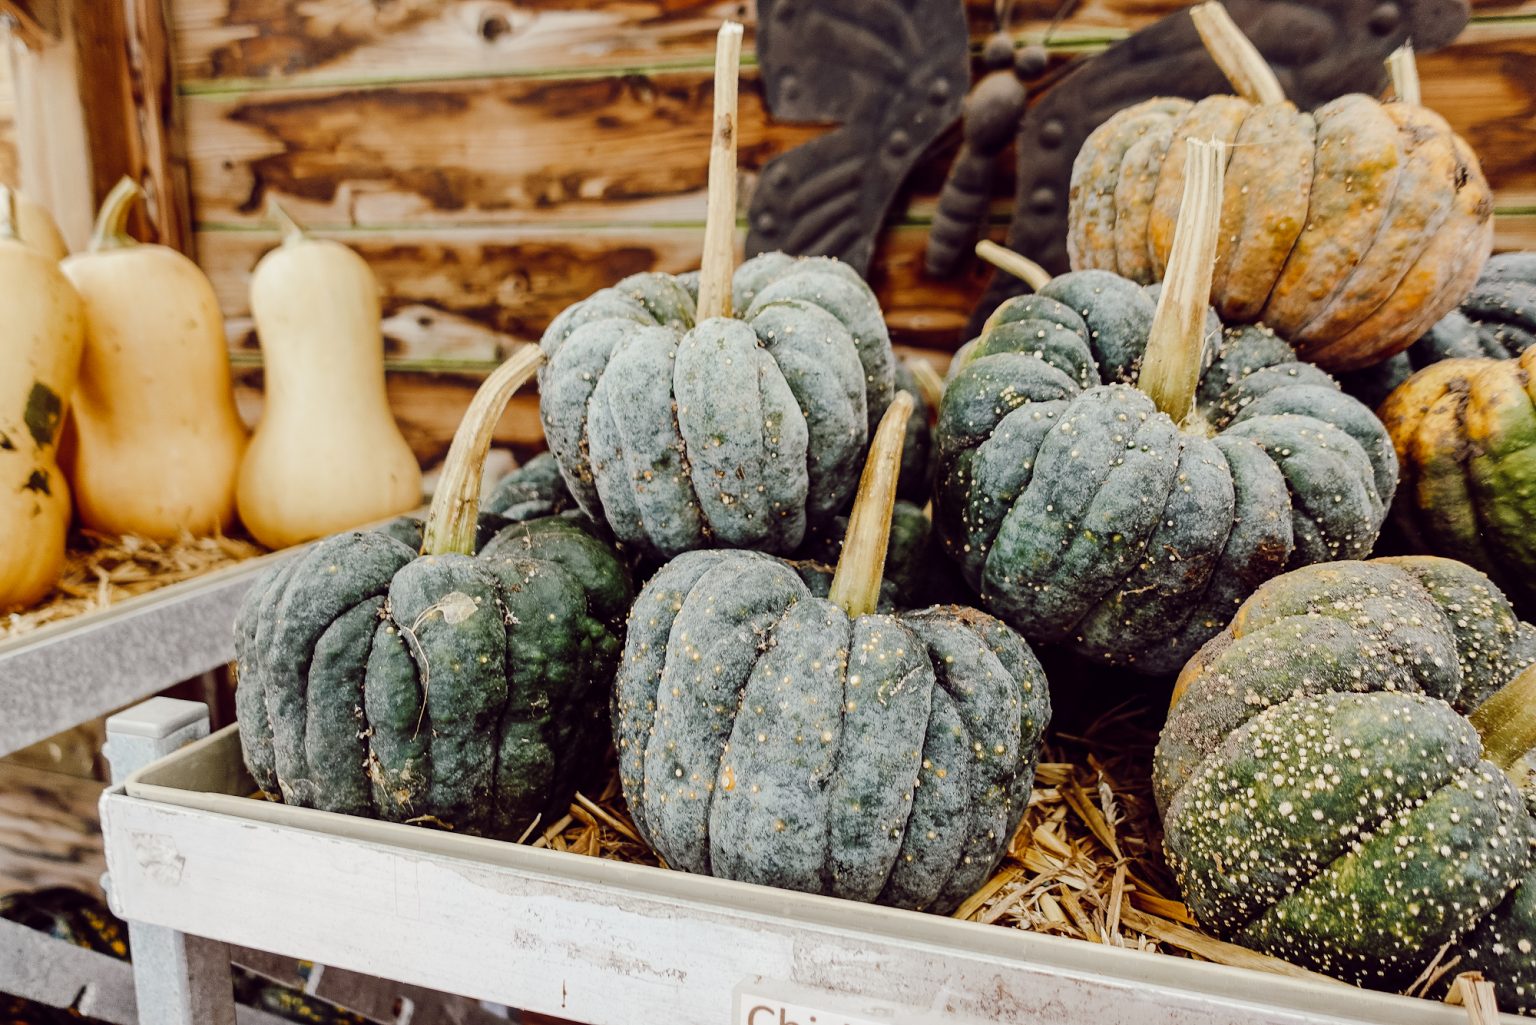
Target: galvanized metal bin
[[618, 944]]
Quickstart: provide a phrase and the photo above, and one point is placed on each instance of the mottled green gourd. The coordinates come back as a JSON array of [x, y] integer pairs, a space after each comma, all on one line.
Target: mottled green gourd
[[774, 737], [729, 417], [462, 687], [1117, 472], [916, 377], [532, 490], [1465, 432], [1497, 320], [1337, 775]]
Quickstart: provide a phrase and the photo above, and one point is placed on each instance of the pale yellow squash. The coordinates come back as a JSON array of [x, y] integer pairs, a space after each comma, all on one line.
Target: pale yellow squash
[[327, 454], [40, 341], [157, 436]]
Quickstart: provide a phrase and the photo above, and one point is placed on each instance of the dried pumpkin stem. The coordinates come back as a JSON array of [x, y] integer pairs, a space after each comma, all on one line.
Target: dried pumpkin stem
[[291, 229], [929, 384], [861, 567], [1507, 721], [1477, 995], [1017, 264], [1405, 74], [456, 503], [720, 215], [1170, 372], [111, 231], [1237, 57]]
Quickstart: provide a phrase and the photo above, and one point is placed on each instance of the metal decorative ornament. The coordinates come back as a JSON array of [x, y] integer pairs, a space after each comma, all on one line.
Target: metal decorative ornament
[[892, 75]]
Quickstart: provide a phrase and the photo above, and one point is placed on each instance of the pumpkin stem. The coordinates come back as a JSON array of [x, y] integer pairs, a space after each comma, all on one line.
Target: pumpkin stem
[[1507, 721], [1020, 266], [929, 384], [10, 226], [720, 215], [1405, 74], [1236, 56], [1170, 371], [861, 567], [291, 229], [111, 231], [455, 508]]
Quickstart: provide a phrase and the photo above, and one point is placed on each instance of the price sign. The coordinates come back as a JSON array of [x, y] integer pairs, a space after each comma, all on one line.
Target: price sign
[[761, 1002]]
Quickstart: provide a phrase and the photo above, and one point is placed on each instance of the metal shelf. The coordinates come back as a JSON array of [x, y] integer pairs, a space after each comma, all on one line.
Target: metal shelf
[[66, 673], [617, 944]]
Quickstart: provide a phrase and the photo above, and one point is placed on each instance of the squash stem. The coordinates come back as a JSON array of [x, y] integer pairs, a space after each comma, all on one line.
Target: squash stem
[[451, 521], [1405, 74], [1237, 57], [1017, 264], [720, 214], [929, 384], [111, 231], [10, 226], [861, 567], [1170, 371], [291, 229], [1507, 721]]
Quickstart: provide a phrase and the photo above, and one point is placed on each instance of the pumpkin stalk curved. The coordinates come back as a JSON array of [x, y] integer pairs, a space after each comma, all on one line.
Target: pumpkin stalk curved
[[720, 215], [1236, 56], [111, 229], [450, 527], [1017, 264], [1170, 372], [1507, 721], [861, 567]]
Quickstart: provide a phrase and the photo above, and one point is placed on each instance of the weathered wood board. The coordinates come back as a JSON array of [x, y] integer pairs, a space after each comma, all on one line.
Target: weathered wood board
[[49, 831], [495, 161]]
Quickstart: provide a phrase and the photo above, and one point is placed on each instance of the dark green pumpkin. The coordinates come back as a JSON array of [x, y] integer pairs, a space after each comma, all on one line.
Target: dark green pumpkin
[[461, 688], [1085, 515], [1497, 320], [532, 490], [774, 737], [916, 377], [1325, 792], [735, 432]]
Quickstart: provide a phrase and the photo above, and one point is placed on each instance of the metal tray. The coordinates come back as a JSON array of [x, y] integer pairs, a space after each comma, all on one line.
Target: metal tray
[[69, 672], [615, 944]]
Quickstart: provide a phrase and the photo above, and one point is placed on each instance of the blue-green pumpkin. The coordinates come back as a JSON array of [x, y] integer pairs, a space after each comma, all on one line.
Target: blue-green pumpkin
[[731, 431], [771, 736], [1341, 774], [1085, 514], [462, 686]]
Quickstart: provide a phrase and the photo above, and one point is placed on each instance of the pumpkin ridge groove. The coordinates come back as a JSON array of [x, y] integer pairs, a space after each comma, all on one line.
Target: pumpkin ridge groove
[[914, 674]]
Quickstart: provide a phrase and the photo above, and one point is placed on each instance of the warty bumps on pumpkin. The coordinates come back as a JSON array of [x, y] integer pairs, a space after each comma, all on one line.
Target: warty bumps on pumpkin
[[1340, 775]]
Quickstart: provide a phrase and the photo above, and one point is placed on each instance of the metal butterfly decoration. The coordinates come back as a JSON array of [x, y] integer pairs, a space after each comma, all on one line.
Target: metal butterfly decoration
[[886, 72]]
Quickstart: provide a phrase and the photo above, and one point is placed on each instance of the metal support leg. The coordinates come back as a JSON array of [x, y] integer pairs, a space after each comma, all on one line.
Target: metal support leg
[[180, 979]]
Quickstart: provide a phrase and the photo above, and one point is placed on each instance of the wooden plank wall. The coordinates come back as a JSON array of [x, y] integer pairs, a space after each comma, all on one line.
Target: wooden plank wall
[[496, 161]]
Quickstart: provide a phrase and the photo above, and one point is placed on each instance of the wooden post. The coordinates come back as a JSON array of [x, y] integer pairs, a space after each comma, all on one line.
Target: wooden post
[[95, 101]]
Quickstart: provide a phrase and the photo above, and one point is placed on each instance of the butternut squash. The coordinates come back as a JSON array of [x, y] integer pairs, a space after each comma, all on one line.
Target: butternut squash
[[40, 341], [327, 454], [157, 437]]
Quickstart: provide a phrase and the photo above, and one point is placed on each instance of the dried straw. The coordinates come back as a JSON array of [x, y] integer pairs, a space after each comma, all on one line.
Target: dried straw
[[101, 570]]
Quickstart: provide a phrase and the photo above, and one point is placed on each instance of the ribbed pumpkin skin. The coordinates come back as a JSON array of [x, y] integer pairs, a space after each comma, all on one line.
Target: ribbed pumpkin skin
[[1349, 231], [766, 737], [462, 691], [532, 490], [731, 433], [1323, 797], [1497, 320], [908, 558], [1465, 432], [1082, 515], [916, 484]]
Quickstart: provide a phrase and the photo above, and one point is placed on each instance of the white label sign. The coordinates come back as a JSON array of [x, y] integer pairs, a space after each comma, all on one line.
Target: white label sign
[[760, 1002]]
